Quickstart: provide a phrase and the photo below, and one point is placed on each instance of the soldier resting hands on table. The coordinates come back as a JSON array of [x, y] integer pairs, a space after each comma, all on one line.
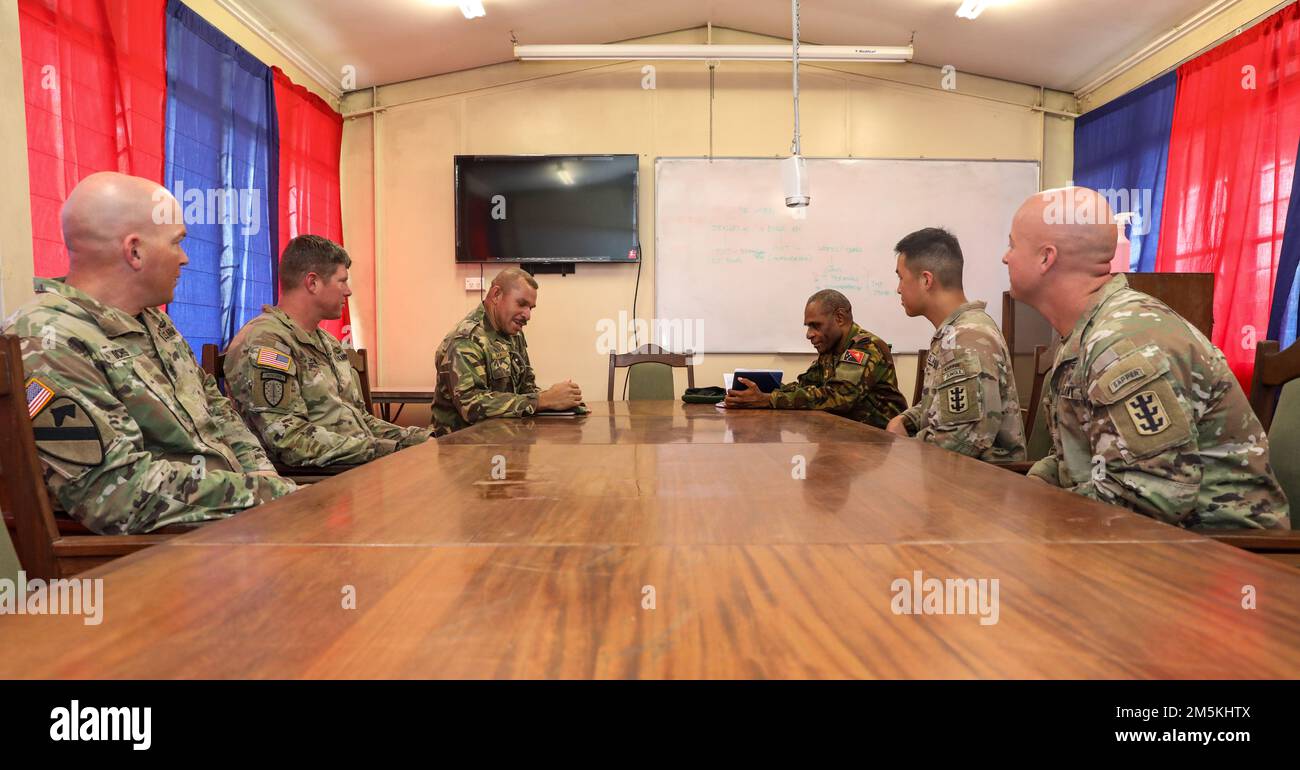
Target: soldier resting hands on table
[[483, 366], [852, 377]]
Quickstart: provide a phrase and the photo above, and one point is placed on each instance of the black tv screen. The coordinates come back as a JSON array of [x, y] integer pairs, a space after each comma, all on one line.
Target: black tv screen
[[546, 208]]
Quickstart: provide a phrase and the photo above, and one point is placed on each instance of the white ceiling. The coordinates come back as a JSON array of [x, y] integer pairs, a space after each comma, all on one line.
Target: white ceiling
[[1060, 44]]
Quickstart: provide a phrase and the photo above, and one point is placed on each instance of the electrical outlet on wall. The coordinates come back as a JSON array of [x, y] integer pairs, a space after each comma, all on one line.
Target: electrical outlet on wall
[[474, 284]]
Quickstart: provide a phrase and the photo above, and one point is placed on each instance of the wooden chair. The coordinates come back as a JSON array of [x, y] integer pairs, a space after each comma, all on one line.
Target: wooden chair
[[1274, 368], [214, 363], [361, 365], [1037, 441], [48, 546], [650, 354], [919, 387]]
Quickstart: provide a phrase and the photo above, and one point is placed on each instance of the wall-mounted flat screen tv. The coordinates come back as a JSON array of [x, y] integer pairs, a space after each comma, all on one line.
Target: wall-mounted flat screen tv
[[546, 208]]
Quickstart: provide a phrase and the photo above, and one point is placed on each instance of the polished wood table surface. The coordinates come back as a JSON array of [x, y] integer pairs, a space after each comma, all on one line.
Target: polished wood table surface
[[528, 549]]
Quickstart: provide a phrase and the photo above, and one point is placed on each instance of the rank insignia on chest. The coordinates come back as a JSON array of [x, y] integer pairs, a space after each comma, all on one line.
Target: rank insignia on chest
[[273, 359], [855, 357], [1147, 413], [958, 399]]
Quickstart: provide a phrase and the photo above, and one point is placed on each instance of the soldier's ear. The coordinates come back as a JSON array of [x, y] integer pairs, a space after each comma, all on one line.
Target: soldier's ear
[[1047, 257], [131, 251]]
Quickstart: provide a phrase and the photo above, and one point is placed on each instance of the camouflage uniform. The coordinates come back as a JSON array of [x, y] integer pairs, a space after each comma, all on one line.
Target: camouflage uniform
[[1144, 413], [132, 434], [856, 381], [300, 394], [969, 402], [482, 373]]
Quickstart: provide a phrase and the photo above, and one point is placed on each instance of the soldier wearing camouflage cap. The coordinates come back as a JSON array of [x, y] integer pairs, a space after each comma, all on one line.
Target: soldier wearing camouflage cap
[[131, 434], [292, 380], [852, 377], [483, 366], [1143, 410], [969, 403]]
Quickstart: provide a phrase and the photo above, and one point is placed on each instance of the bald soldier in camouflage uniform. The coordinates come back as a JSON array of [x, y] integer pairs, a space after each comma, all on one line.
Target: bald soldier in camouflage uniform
[[852, 377], [1143, 410], [969, 403], [292, 380], [483, 367], [132, 435]]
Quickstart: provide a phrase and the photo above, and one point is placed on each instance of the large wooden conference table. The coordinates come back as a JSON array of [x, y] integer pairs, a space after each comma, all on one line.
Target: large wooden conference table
[[530, 548]]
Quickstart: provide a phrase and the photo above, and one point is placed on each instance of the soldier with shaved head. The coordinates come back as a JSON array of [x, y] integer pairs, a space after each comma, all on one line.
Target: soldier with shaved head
[[1143, 410], [131, 433], [483, 367]]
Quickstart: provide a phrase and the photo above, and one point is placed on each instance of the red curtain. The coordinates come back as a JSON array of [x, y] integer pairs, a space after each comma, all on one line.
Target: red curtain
[[1231, 162], [94, 82], [311, 133]]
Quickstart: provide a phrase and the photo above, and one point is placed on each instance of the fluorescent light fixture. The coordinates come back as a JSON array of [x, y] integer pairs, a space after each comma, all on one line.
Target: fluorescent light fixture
[[472, 9], [971, 9], [704, 52]]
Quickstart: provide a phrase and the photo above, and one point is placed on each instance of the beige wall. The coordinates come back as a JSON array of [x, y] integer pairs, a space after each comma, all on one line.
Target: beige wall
[[15, 200], [399, 161]]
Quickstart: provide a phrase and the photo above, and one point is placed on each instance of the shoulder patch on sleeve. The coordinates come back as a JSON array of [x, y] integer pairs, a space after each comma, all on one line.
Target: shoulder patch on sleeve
[[270, 358], [65, 432], [38, 395], [855, 357]]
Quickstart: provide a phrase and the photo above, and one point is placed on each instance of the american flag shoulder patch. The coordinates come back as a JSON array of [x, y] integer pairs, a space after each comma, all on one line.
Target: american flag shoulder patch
[[273, 359], [38, 395]]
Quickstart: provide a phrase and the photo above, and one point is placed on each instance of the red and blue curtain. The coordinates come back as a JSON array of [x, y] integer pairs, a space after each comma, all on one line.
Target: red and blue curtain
[[148, 87], [1215, 143], [94, 84], [307, 158]]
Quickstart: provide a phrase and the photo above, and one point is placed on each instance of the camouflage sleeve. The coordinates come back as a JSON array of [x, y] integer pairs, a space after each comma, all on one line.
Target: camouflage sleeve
[[470, 391], [405, 437], [1142, 441], [271, 400], [1047, 469], [233, 430], [912, 416], [101, 473], [858, 370], [966, 410]]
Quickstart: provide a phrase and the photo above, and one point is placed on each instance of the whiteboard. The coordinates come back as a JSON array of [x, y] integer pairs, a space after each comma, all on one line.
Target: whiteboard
[[736, 264]]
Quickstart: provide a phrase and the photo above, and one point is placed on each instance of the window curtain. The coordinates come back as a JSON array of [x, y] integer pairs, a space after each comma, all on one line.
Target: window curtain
[[94, 83], [1284, 321], [1232, 157], [219, 136], [307, 194], [1123, 148]]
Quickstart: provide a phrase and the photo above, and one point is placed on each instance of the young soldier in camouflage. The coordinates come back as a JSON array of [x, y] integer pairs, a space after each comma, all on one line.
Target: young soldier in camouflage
[[293, 382], [853, 375], [1143, 410], [483, 367], [131, 433], [969, 402]]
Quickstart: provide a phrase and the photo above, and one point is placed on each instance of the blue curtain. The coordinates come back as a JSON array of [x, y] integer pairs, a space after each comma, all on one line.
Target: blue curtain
[[1124, 145], [1282, 321], [218, 140]]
